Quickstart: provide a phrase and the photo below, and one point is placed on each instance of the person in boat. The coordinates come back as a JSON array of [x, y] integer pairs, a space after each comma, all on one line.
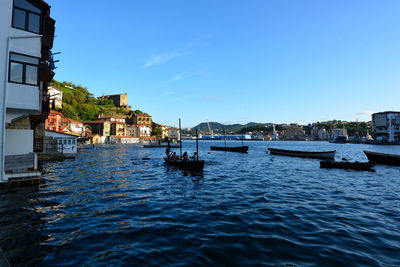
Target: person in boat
[[194, 157], [168, 152], [185, 157], [174, 156]]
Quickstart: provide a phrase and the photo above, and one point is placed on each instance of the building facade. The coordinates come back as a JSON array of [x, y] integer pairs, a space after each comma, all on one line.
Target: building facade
[[54, 121], [386, 126], [26, 40], [119, 100], [102, 128], [55, 97]]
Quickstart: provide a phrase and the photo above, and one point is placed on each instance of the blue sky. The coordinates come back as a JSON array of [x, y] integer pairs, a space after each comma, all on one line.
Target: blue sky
[[235, 61]]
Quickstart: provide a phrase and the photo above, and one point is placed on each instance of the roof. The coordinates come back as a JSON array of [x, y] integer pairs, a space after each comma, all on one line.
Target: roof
[[92, 135], [70, 120], [93, 122], [124, 136], [51, 131], [56, 113], [144, 115]]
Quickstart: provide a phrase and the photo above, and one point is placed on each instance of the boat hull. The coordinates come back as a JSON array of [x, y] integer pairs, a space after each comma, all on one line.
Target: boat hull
[[240, 149], [150, 146], [382, 158], [357, 166], [190, 165], [303, 154]]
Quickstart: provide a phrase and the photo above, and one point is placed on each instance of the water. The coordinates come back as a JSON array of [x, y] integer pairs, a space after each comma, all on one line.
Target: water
[[110, 207]]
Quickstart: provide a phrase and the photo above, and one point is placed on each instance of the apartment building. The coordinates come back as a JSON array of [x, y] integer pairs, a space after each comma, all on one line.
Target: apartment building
[[26, 40], [386, 126]]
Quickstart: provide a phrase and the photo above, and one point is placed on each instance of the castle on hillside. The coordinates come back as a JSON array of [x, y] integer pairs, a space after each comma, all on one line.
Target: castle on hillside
[[119, 100]]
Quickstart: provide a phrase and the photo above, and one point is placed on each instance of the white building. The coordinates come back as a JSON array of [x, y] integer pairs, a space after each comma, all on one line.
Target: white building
[[386, 126], [55, 96], [67, 143], [173, 133], [138, 130], [26, 38]]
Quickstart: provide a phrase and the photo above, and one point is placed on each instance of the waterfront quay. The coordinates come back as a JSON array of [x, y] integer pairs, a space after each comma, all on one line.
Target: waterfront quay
[[111, 207]]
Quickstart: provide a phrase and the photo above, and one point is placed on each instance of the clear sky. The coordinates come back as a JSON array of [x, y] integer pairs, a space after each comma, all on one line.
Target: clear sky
[[233, 61]]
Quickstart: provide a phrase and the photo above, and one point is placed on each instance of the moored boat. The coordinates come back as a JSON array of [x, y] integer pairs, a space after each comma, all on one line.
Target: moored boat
[[157, 145], [357, 166], [240, 149], [189, 165], [383, 158], [304, 154]]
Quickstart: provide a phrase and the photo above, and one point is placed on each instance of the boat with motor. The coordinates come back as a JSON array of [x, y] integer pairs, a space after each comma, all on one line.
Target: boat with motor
[[303, 154], [383, 158], [357, 166]]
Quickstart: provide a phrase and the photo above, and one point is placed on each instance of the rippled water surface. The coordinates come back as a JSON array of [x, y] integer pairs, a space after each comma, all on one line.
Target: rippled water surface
[[110, 207]]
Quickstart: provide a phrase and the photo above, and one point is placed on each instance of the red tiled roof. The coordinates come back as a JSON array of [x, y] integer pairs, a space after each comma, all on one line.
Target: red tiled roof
[[56, 112], [88, 122]]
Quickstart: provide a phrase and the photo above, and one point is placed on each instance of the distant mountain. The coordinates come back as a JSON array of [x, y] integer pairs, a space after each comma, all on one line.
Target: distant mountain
[[230, 128]]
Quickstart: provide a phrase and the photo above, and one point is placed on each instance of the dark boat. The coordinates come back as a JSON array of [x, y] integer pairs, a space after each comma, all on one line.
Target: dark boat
[[157, 145], [240, 149], [382, 158], [357, 166], [303, 154], [190, 165]]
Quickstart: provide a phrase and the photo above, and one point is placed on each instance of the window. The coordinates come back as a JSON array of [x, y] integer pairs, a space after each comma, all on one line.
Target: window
[[26, 16], [23, 69]]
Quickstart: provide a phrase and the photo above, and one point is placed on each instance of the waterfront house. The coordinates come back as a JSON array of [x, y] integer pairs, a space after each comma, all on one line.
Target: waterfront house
[[93, 139], [173, 134], [67, 143], [26, 40], [142, 119], [77, 128], [54, 121], [386, 126], [124, 139], [102, 128], [138, 130], [55, 96]]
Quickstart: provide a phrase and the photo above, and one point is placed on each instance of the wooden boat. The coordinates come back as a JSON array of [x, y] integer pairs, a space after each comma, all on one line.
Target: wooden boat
[[240, 149], [382, 158], [303, 154], [157, 145], [357, 166], [194, 165], [189, 165]]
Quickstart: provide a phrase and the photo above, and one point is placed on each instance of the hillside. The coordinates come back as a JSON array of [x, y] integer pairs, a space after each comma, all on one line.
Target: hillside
[[229, 129], [80, 104]]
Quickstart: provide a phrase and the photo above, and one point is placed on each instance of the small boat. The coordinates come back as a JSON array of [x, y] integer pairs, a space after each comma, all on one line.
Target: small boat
[[303, 154], [192, 165], [382, 158], [189, 165], [240, 149], [157, 145], [357, 166]]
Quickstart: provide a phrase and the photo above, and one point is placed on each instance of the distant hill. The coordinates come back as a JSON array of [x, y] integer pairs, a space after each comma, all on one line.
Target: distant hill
[[230, 128]]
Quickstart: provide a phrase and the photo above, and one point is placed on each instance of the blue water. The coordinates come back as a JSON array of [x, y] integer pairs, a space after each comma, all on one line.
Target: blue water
[[110, 207]]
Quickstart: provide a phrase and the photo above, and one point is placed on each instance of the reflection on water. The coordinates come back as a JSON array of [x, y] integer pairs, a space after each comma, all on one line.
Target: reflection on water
[[110, 207]]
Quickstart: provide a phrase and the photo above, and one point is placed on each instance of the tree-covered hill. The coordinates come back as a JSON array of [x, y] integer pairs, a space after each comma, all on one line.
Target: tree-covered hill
[[80, 104], [229, 129]]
